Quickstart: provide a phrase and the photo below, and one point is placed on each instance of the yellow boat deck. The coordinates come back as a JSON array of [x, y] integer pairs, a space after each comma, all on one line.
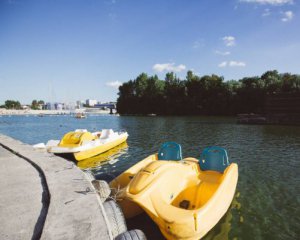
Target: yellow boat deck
[[184, 201], [198, 194]]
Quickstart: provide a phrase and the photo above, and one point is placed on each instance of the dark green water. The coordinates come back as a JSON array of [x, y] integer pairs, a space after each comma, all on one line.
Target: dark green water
[[267, 203]]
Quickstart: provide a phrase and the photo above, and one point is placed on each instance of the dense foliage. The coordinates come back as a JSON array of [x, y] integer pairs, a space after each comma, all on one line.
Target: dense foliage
[[11, 104], [36, 104], [206, 95]]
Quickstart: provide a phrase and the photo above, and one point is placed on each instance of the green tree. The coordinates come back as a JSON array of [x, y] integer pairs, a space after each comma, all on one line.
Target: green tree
[[170, 77], [271, 81], [189, 76], [233, 86], [34, 104], [251, 95], [217, 96], [141, 84], [175, 95], [11, 104], [290, 82], [153, 97], [202, 95], [195, 90], [126, 102]]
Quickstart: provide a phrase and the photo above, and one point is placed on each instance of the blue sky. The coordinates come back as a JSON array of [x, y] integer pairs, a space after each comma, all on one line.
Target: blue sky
[[67, 50]]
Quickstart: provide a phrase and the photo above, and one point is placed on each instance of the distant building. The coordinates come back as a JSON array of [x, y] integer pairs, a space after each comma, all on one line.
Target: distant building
[[79, 104], [91, 102], [25, 107], [58, 106], [69, 106], [40, 106], [54, 106], [49, 106]]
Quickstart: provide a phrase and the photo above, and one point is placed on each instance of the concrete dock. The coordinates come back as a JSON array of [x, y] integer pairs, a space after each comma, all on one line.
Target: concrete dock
[[46, 197]]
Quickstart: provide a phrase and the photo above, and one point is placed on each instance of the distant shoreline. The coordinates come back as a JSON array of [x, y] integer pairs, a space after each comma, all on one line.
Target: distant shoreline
[[5, 112]]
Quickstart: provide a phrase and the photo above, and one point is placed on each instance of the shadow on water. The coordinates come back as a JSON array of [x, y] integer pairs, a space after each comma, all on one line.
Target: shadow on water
[[223, 228], [145, 223]]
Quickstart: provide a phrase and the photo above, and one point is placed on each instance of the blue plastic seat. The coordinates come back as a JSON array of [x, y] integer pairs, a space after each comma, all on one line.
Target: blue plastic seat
[[170, 151], [214, 159]]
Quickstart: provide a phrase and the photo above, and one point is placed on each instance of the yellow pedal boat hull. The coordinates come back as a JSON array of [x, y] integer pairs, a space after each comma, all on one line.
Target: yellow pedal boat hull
[[184, 201], [100, 149], [109, 155], [82, 144]]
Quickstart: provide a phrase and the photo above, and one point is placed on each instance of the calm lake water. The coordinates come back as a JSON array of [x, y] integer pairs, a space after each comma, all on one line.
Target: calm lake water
[[267, 202]]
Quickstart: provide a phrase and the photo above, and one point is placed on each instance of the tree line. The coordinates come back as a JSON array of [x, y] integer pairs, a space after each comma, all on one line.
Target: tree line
[[13, 104], [202, 95]]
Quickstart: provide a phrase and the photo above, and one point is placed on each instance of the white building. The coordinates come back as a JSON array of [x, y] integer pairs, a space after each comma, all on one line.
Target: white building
[[79, 104], [91, 102]]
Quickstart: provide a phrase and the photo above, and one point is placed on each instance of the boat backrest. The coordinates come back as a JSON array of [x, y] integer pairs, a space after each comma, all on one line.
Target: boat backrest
[[73, 138], [81, 130], [96, 134], [170, 151], [105, 133], [214, 158]]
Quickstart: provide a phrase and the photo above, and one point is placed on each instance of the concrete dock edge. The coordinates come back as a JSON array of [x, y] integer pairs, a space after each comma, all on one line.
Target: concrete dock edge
[[69, 206]]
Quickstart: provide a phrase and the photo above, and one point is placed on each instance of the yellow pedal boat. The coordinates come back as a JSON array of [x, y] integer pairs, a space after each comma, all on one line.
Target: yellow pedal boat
[[185, 197], [82, 144]]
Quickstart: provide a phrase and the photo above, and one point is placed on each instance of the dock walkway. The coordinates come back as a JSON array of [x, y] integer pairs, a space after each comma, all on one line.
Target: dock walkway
[[46, 197]]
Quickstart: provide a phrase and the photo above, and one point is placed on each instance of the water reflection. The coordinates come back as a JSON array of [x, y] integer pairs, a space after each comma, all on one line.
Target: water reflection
[[222, 230], [111, 156]]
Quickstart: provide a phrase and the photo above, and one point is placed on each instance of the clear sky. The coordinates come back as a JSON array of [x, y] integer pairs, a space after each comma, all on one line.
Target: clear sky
[[67, 50]]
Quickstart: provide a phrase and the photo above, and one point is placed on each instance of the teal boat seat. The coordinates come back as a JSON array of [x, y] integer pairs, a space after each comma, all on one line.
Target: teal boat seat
[[214, 159], [170, 151]]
